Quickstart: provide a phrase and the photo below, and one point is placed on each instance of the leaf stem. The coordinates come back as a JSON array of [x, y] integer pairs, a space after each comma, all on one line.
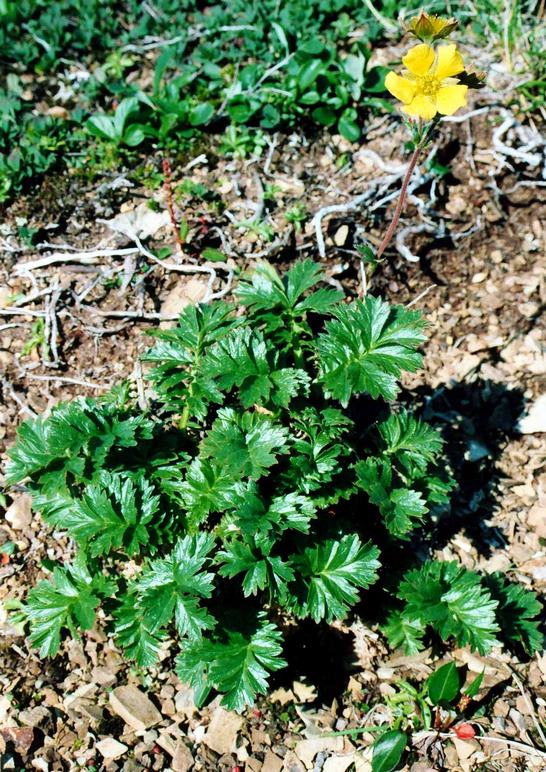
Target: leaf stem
[[184, 418]]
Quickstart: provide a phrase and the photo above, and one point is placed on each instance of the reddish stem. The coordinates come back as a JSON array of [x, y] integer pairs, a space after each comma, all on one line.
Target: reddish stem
[[167, 186], [401, 201]]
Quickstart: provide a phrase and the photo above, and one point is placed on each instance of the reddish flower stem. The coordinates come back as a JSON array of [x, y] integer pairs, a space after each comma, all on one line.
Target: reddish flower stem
[[167, 186], [401, 201]]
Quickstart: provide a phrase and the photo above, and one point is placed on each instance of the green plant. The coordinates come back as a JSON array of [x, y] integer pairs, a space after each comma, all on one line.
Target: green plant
[[124, 127], [296, 215], [29, 145], [271, 479], [440, 703], [240, 142], [36, 340]]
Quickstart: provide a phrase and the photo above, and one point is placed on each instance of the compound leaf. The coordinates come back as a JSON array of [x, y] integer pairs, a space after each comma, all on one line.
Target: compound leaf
[[518, 613], [404, 631], [332, 574], [82, 427], [412, 442], [66, 601], [133, 633], [237, 665], [242, 359], [401, 508], [365, 348], [205, 490], [452, 600], [178, 354], [244, 444], [175, 585], [112, 514]]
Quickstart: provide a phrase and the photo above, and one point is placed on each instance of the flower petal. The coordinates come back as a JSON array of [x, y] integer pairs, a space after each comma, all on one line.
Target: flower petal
[[419, 59], [449, 62], [421, 106], [450, 98], [401, 88]]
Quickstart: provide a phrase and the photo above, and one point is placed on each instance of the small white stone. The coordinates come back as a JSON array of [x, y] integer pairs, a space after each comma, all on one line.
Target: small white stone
[[535, 420]]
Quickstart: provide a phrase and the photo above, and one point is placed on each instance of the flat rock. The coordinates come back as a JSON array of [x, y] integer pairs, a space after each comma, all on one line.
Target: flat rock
[[291, 763], [306, 750], [272, 762], [22, 738], [186, 292], [182, 760], [222, 731], [536, 518], [5, 705], [19, 513], [339, 763], [110, 748], [134, 707], [184, 702], [34, 717]]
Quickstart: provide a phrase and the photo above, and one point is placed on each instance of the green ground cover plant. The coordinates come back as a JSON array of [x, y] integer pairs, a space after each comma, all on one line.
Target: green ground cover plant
[[271, 478], [252, 68]]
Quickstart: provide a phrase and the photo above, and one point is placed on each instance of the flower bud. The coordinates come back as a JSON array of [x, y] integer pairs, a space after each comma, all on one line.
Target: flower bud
[[430, 28]]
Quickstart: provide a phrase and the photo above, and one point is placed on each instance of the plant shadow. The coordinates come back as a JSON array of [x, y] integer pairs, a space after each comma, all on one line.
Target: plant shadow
[[477, 420], [320, 655]]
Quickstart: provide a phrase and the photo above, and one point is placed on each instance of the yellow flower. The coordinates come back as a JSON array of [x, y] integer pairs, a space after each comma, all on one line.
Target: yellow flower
[[428, 86]]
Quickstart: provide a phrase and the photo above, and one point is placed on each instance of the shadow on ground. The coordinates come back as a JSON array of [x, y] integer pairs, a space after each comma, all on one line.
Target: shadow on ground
[[477, 420]]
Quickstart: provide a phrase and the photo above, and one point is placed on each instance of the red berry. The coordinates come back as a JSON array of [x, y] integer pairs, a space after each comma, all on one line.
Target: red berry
[[465, 731]]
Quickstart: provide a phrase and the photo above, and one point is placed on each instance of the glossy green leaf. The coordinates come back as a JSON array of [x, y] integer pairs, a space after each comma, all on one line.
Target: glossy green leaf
[[444, 684], [309, 73], [388, 750], [474, 686]]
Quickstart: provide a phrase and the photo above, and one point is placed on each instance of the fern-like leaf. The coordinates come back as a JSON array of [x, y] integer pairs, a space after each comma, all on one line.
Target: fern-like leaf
[[244, 444], [401, 508], [413, 443], [207, 489], [404, 631], [66, 601], [178, 354], [174, 587], [519, 613], [453, 601], [331, 575], [75, 433], [134, 634], [243, 360], [237, 665], [318, 449], [366, 348], [113, 513]]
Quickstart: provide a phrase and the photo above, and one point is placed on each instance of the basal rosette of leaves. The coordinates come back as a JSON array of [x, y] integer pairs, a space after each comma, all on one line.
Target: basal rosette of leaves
[[272, 478]]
